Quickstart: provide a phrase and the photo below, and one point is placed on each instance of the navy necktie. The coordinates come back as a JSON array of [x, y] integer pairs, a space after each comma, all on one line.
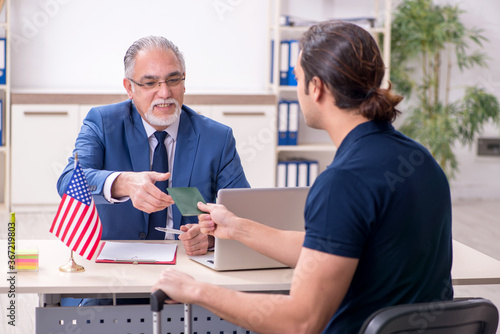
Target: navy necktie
[[160, 164]]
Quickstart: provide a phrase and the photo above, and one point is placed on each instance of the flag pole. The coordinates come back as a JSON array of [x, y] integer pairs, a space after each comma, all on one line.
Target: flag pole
[[71, 266]]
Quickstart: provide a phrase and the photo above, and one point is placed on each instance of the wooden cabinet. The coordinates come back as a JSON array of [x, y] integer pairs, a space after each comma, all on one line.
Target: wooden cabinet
[[254, 128], [43, 138]]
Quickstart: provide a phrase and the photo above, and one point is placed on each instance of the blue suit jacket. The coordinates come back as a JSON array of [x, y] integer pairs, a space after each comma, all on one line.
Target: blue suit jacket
[[113, 138]]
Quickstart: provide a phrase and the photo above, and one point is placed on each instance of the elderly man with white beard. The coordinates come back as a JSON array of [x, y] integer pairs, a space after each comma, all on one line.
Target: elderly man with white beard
[[118, 143]]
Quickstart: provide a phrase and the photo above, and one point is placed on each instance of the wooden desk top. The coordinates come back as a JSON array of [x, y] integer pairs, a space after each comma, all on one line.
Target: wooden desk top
[[470, 267], [125, 278]]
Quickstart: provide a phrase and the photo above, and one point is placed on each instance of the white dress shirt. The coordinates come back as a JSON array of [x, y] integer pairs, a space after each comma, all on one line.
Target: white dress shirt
[[170, 141]]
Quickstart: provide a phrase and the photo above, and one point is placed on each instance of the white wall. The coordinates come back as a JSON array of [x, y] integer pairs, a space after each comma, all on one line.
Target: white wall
[[78, 46]]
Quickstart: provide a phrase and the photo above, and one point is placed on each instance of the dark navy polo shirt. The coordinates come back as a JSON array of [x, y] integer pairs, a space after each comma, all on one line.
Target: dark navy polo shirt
[[385, 201]]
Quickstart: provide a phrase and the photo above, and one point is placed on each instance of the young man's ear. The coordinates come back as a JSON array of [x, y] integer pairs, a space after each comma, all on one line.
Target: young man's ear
[[317, 87]]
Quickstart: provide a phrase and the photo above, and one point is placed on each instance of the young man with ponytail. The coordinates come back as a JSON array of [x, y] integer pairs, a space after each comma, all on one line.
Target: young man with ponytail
[[377, 220]]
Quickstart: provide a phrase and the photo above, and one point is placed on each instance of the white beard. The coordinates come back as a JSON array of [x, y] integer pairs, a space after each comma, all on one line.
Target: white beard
[[155, 120]]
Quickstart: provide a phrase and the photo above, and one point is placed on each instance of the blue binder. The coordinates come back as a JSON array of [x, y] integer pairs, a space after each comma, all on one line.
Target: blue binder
[[281, 174], [3, 56], [272, 61], [303, 173], [282, 122], [294, 55], [284, 62], [313, 171], [292, 173], [2, 143], [293, 122]]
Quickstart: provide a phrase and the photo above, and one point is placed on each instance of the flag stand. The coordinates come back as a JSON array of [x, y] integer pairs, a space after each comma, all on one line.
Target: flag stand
[[71, 266]]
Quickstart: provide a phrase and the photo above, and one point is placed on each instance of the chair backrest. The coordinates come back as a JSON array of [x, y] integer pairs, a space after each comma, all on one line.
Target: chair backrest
[[461, 316]]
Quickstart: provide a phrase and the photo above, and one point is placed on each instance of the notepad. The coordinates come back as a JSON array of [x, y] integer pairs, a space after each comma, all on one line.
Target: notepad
[[137, 253], [27, 260], [186, 199]]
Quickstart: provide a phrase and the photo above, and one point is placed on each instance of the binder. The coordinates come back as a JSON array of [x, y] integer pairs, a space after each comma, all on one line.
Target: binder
[[303, 173], [313, 172], [3, 55], [282, 122], [284, 62], [272, 61], [137, 253], [297, 173], [294, 55], [291, 174], [293, 122], [2, 142], [281, 174]]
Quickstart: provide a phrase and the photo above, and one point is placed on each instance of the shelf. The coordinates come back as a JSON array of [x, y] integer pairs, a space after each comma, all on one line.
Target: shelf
[[315, 144], [294, 29], [326, 147], [302, 29], [3, 149], [379, 30], [287, 88]]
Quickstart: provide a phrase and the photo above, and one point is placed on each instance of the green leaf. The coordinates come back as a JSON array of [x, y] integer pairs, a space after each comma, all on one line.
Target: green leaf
[[423, 36]]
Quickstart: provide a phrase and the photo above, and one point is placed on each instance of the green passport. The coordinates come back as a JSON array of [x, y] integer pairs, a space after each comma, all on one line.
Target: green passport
[[186, 199]]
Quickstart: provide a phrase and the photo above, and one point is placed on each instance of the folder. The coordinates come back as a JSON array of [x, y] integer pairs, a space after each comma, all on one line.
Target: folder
[[303, 173], [272, 61], [282, 122], [137, 253], [294, 55], [313, 172], [293, 122], [281, 174], [291, 174], [284, 62], [3, 56], [2, 142]]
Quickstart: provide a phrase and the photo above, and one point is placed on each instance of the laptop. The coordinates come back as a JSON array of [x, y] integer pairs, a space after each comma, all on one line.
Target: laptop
[[281, 208]]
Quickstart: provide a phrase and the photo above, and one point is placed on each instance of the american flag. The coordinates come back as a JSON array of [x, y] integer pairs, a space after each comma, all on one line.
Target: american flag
[[77, 223]]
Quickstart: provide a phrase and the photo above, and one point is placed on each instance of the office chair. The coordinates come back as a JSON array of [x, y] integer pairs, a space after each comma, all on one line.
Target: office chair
[[460, 316]]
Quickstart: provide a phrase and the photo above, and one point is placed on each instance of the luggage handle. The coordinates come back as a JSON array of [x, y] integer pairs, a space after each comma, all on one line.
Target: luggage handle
[[157, 300]]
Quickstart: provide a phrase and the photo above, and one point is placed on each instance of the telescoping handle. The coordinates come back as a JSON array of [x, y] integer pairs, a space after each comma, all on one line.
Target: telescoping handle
[[157, 300]]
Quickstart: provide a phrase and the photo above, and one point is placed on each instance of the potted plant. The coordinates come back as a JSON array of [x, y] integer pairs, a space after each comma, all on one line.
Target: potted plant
[[427, 40]]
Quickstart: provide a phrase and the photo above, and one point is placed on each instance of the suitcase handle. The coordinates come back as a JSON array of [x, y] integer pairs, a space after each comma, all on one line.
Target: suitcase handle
[[157, 300]]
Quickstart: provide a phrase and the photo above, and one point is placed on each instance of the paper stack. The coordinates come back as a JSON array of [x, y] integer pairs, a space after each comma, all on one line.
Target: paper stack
[[27, 260]]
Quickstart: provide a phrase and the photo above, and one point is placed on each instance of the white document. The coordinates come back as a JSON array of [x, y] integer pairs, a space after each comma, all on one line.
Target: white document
[[137, 252]]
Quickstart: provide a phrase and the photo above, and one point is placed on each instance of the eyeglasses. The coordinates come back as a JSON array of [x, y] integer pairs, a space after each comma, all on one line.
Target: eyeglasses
[[152, 84]]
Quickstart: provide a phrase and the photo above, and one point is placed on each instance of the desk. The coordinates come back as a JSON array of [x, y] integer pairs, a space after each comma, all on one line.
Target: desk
[[470, 267], [103, 280], [111, 278]]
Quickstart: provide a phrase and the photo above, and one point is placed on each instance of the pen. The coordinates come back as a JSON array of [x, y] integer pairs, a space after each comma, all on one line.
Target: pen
[[169, 230]]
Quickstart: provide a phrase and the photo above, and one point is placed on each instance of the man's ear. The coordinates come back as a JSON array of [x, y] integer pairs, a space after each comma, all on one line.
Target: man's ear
[[128, 87], [317, 88]]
